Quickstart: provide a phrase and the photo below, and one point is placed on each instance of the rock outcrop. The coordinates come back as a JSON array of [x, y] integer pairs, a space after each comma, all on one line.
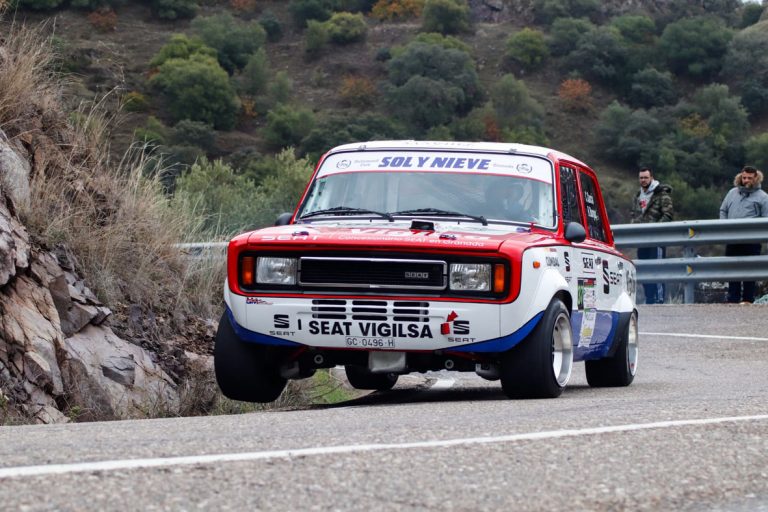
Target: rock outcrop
[[57, 355]]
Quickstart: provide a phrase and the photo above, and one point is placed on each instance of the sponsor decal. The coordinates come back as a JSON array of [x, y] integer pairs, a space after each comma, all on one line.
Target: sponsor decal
[[343, 164], [524, 168], [587, 298], [454, 326], [552, 259], [587, 327], [606, 279], [631, 282], [368, 329], [588, 262], [567, 258], [435, 162], [256, 300]]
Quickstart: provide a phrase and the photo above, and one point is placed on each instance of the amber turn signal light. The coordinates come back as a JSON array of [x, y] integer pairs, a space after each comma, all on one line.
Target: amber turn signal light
[[499, 277], [247, 270]]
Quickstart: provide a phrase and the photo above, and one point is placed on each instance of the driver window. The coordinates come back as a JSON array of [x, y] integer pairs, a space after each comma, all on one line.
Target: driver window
[[570, 196]]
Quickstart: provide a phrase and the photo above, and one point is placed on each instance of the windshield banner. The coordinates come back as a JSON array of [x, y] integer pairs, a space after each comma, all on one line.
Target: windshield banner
[[420, 161]]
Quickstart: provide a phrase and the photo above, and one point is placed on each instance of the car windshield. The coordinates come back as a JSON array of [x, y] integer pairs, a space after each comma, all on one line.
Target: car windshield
[[500, 192]]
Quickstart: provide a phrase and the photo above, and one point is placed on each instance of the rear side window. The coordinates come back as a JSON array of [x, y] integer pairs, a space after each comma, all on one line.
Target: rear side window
[[595, 221], [570, 193]]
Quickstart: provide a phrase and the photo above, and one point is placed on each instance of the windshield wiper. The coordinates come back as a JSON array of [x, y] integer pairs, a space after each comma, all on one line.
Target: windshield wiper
[[347, 210], [445, 213]]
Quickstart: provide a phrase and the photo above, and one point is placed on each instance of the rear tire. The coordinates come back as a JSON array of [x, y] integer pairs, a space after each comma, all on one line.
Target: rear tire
[[363, 378], [620, 369], [540, 366], [245, 371]]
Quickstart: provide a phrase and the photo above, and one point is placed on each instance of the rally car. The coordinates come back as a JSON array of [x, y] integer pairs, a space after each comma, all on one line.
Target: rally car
[[412, 256]]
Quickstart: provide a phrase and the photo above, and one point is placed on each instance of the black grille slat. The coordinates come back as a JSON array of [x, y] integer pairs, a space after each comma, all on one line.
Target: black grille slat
[[373, 273]]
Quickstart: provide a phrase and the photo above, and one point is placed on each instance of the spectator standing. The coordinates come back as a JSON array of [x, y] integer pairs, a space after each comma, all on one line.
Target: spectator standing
[[745, 200], [652, 203]]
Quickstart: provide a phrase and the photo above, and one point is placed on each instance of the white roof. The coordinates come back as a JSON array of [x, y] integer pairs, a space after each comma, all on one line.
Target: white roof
[[496, 147]]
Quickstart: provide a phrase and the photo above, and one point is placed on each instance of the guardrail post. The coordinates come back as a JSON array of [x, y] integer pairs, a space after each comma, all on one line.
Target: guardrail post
[[690, 286]]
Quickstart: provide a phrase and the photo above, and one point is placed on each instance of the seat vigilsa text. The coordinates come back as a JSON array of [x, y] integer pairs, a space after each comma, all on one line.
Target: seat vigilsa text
[[407, 256]]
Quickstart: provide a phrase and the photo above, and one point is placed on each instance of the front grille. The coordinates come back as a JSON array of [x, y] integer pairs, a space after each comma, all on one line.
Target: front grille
[[370, 310], [373, 273]]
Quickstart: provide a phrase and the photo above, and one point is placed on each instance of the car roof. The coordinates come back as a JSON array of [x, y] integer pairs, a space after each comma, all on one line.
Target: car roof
[[480, 147]]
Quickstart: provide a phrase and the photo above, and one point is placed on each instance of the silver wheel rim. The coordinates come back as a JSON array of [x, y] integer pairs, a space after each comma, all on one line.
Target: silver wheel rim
[[632, 345], [562, 349]]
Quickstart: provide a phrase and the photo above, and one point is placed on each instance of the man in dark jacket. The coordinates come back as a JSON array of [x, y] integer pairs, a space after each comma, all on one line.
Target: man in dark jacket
[[744, 201], [652, 203]]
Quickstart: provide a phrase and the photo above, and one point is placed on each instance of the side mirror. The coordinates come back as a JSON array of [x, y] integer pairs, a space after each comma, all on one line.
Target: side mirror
[[575, 232], [285, 218]]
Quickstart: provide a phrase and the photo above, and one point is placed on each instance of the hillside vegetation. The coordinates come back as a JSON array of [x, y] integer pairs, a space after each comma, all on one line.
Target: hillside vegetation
[[239, 98]]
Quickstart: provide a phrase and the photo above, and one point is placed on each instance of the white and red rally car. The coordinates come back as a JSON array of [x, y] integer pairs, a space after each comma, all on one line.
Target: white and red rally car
[[408, 256]]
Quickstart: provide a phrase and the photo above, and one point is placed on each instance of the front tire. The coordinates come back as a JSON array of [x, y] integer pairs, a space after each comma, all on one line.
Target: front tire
[[540, 366], [245, 371], [620, 369], [363, 378]]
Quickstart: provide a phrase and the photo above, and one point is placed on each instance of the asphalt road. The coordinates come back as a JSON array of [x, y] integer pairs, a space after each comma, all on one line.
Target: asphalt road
[[691, 433]]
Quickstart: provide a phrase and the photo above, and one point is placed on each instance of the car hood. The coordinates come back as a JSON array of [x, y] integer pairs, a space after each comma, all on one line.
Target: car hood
[[397, 235]]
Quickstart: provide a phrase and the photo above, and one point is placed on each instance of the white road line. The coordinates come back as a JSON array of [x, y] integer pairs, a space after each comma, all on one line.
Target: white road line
[[112, 465], [443, 384], [710, 336]]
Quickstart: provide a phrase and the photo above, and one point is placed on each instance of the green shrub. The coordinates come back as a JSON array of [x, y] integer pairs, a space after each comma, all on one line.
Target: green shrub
[[342, 129], [303, 11], [181, 47], [547, 11], [315, 38], [566, 33], [751, 14], [193, 133], [153, 133], [652, 88], [454, 67], [756, 149], [695, 46], [627, 136], [255, 75], [271, 25], [135, 102], [345, 28], [225, 198], [448, 42], [636, 29], [234, 40], [280, 89], [527, 48], [287, 126], [424, 102], [601, 56], [281, 191], [754, 97], [198, 89], [445, 16], [747, 56], [513, 104], [174, 9]]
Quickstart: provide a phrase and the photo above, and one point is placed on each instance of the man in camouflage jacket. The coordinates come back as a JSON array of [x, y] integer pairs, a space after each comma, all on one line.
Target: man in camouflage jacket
[[652, 203]]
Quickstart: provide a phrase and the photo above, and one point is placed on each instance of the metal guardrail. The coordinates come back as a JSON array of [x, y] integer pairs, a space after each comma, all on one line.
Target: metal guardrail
[[692, 269]]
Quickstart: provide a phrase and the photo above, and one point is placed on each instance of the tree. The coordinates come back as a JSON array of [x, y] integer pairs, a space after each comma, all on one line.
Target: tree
[[445, 16], [281, 191], [756, 149], [287, 126], [566, 33], [695, 46], [255, 75], [528, 48], [601, 56], [197, 88], [174, 9], [181, 47], [425, 102], [751, 14], [652, 88], [575, 94], [546, 11], [513, 104], [636, 29], [345, 28], [628, 137], [454, 67], [235, 41], [397, 9], [303, 11]]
